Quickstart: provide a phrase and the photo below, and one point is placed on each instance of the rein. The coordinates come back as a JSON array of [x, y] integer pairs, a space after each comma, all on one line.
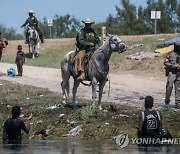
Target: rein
[[103, 73], [85, 84]]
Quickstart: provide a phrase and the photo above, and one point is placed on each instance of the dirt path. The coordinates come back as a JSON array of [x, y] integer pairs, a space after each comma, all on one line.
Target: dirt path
[[125, 87]]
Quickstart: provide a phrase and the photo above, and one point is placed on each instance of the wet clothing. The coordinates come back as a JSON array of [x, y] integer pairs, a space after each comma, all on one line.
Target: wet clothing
[[20, 60], [12, 128], [84, 38], [151, 123], [173, 76], [33, 22]]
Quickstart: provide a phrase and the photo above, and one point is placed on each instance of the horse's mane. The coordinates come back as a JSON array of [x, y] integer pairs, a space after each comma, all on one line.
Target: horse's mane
[[101, 47]]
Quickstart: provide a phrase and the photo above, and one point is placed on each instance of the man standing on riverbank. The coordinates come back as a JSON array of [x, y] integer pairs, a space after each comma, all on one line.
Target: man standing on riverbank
[[172, 63]]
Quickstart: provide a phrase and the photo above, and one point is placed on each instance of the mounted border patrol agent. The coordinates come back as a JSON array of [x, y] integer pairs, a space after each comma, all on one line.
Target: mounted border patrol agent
[[32, 22], [86, 41]]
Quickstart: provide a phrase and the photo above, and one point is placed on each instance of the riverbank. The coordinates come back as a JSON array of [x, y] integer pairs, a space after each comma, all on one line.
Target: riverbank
[[51, 114]]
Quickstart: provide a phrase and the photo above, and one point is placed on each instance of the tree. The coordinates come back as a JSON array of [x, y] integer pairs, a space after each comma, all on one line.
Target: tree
[[63, 26], [140, 26], [10, 34], [126, 17]]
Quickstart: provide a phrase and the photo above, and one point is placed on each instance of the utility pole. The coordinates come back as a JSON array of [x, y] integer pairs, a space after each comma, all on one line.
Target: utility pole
[[50, 24], [103, 34]]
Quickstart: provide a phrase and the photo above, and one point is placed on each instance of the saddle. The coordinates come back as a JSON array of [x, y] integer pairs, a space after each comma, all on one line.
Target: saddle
[[87, 57]]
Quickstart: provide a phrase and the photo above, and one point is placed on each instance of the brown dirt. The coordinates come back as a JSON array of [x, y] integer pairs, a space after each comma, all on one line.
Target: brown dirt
[[124, 87]]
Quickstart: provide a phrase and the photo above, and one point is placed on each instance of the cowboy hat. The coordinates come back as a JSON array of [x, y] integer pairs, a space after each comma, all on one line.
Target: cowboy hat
[[31, 11], [88, 21]]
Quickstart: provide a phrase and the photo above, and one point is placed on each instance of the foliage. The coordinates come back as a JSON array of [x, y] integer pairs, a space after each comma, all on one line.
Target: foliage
[[10, 33], [63, 27], [129, 20], [95, 124]]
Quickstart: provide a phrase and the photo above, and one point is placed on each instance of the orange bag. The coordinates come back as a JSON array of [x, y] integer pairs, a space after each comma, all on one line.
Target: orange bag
[[4, 44]]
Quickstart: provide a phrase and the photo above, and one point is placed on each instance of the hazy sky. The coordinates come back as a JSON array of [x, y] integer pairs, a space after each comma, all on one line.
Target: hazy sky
[[15, 12]]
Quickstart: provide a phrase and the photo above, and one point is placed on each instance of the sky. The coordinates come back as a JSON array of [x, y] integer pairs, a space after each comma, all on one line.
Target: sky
[[15, 12]]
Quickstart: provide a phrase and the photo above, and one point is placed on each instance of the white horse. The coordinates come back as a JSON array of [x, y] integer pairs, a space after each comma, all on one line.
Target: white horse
[[97, 69], [34, 41]]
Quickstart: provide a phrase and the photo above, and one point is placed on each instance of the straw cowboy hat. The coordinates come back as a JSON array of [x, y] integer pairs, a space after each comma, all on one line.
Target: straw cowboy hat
[[88, 21]]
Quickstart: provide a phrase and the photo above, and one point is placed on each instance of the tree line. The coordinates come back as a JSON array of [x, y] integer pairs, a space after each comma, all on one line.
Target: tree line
[[129, 20]]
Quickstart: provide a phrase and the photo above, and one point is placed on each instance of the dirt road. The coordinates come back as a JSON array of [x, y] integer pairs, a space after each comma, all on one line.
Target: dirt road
[[127, 88]]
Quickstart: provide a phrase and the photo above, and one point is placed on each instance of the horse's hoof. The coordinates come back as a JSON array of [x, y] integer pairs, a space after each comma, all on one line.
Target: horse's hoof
[[100, 108], [64, 102], [75, 107], [37, 55], [75, 104]]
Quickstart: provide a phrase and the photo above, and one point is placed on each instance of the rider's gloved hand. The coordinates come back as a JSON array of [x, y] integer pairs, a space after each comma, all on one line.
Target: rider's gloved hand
[[92, 44]]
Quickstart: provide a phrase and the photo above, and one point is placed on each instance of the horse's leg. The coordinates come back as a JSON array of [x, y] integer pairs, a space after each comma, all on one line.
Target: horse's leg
[[74, 91], [94, 86], [65, 85], [33, 51], [101, 86], [37, 48], [30, 50], [38, 45]]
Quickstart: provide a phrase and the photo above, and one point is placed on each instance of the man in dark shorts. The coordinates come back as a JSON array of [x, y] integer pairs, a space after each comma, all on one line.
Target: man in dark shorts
[[150, 121], [13, 126]]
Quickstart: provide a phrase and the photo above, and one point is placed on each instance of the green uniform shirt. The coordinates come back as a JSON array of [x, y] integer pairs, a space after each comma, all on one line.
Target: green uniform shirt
[[85, 37], [31, 21]]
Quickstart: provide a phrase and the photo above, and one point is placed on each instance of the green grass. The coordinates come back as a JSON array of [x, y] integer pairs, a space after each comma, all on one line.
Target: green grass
[[53, 50], [95, 124]]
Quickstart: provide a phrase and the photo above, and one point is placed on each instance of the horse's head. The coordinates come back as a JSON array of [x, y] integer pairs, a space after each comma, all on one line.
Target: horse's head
[[116, 44], [32, 33]]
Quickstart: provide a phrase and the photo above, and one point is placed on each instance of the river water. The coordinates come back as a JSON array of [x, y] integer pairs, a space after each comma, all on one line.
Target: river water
[[82, 147]]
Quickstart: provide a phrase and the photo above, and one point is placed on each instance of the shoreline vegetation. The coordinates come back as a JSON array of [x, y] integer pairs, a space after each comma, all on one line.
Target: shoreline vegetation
[[52, 51], [57, 119], [51, 114]]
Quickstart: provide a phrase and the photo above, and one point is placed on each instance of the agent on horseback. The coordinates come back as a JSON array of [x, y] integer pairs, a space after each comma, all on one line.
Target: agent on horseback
[[32, 22], [86, 41]]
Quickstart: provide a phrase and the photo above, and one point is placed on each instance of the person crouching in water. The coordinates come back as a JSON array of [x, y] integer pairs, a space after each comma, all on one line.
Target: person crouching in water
[[20, 60], [150, 121], [13, 126]]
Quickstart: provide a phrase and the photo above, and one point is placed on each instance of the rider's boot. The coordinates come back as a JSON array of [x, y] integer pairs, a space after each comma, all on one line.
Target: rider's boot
[[82, 76], [26, 41], [42, 39]]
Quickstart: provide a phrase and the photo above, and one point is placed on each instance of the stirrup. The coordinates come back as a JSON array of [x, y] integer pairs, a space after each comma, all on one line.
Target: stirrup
[[42, 40]]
